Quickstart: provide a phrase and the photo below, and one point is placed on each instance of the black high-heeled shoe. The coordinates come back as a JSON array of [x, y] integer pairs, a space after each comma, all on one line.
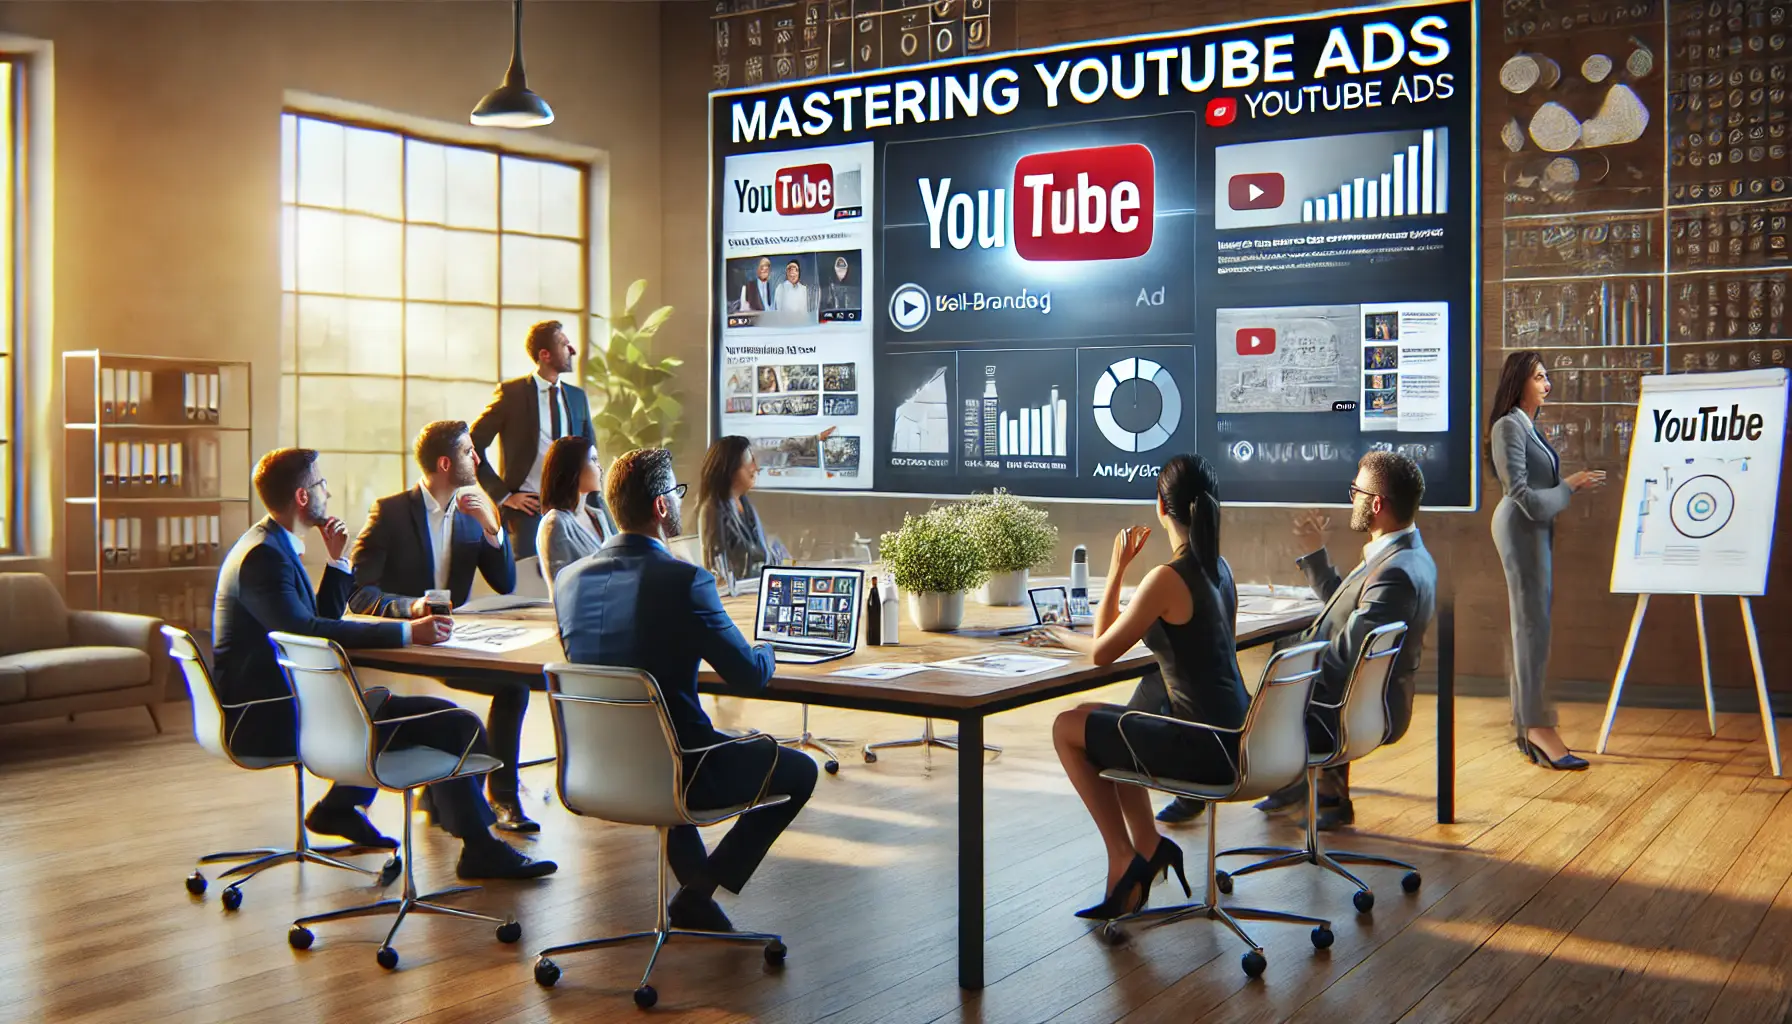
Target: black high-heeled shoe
[[1138, 876], [1168, 855], [1567, 763]]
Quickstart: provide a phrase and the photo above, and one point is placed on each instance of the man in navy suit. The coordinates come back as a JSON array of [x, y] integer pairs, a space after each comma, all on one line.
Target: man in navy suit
[[433, 537], [263, 588], [527, 415], [633, 605]]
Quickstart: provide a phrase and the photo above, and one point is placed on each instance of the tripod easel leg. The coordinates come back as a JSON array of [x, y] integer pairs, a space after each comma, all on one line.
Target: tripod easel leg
[[1698, 611], [1754, 657], [1611, 706]]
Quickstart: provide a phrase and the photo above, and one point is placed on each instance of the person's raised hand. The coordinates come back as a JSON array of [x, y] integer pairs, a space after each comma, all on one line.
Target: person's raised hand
[[1127, 545], [472, 502], [335, 534]]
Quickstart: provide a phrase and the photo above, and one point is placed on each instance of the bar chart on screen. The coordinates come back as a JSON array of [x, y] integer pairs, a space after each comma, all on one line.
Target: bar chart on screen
[[1414, 185], [1367, 176]]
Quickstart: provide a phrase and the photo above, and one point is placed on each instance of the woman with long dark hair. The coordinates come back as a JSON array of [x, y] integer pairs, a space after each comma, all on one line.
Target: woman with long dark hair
[[732, 538], [1530, 472], [1184, 612], [571, 527]]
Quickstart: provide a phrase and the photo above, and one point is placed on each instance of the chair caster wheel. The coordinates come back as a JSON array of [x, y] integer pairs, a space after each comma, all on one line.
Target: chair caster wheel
[[299, 937], [645, 997], [232, 898], [388, 957], [1410, 882], [775, 952], [1364, 900], [1254, 964], [831, 767], [870, 757], [509, 932], [389, 871], [1225, 882], [1322, 937], [546, 972], [196, 884], [1113, 934]]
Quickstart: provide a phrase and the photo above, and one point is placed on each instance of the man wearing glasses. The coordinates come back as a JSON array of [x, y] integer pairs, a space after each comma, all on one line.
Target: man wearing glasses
[[263, 588], [1395, 582], [634, 605]]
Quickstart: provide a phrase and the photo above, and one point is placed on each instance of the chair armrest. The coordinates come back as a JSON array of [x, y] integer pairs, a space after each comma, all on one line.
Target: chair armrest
[[749, 737], [252, 703], [1180, 721], [114, 629], [245, 706], [404, 720]]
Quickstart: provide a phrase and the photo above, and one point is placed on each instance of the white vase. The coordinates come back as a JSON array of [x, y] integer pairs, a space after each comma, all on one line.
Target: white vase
[[1005, 589], [936, 611]]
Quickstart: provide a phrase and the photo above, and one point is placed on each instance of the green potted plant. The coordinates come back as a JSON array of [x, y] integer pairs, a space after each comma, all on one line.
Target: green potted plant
[[1015, 538], [934, 559], [638, 407]]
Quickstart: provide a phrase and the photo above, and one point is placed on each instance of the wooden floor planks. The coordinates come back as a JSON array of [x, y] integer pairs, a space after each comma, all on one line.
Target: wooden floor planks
[[1656, 887]]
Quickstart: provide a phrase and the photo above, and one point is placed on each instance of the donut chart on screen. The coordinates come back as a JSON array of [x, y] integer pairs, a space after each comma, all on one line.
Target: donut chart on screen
[[1150, 377]]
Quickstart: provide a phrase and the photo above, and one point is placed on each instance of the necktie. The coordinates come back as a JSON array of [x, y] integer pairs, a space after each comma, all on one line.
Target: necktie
[[554, 412]]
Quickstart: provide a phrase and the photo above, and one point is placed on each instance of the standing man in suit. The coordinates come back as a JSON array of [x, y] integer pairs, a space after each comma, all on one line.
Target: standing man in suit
[[263, 588], [432, 537], [632, 604], [1395, 582], [529, 414]]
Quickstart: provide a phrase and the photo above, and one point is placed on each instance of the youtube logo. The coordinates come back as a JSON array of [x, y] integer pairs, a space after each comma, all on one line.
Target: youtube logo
[[1262, 191], [1098, 203], [1221, 111], [1255, 341]]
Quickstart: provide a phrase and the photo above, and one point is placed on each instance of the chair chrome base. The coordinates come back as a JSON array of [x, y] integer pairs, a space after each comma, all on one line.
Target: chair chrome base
[[300, 936], [1254, 961], [821, 745], [1313, 853], [547, 972], [259, 860], [926, 741]]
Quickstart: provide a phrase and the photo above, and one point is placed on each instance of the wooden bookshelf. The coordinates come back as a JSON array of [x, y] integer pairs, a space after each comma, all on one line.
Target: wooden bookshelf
[[157, 469]]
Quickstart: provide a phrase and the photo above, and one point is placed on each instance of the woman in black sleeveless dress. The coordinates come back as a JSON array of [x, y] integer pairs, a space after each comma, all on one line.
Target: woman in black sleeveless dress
[[1184, 612]]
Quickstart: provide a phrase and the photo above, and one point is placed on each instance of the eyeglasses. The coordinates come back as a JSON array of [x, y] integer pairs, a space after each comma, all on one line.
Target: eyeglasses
[[1355, 490], [677, 491]]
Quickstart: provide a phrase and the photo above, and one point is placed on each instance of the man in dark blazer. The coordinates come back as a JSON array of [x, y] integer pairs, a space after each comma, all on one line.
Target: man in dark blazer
[[263, 588], [527, 415], [1395, 582], [633, 605], [433, 537]]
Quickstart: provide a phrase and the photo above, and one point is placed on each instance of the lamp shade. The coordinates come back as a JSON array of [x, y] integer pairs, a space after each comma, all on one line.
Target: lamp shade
[[512, 105]]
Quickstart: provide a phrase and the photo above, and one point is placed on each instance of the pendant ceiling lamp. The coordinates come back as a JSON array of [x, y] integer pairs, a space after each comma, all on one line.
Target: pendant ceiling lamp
[[512, 105]]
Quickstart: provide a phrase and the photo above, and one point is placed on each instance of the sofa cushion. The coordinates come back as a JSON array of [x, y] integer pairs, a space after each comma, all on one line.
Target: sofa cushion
[[32, 615], [69, 671], [12, 684]]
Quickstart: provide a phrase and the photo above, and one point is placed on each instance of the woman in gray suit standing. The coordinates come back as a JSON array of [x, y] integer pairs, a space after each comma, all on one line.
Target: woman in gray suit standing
[[1530, 474]]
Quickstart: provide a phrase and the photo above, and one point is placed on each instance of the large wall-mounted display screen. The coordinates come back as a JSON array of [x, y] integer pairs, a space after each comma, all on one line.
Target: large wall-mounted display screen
[[1050, 271]]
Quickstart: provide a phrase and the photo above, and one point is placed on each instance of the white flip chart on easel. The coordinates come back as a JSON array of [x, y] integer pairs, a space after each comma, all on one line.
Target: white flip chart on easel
[[1703, 482], [1700, 497]]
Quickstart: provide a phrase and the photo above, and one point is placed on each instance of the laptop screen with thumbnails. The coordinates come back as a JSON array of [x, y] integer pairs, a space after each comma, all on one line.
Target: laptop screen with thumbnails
[[810, 607]]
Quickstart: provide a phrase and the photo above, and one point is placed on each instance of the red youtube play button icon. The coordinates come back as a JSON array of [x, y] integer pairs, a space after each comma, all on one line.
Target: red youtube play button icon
[[1221, 111], [1255, 341], [1261, 191]]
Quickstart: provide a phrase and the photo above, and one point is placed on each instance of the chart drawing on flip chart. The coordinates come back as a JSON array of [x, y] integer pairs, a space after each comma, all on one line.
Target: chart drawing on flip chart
[[1699, 502]]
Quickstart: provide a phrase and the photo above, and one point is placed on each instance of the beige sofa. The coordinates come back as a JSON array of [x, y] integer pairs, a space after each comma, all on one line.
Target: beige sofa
[[56, 662]]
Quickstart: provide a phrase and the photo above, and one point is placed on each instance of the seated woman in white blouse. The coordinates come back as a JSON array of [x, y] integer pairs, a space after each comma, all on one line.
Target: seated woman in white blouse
[[574, 521]]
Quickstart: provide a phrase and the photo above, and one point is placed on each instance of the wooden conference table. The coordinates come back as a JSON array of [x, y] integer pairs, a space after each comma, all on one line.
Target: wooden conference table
[[962, 698]]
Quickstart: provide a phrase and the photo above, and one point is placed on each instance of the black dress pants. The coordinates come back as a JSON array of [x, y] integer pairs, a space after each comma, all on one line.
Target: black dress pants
[[271, 730], [503, 725], [729, 776]]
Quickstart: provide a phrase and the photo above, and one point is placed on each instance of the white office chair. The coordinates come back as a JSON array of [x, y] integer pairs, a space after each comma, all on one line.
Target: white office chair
[[686, 547], [620, 761], [1362, 727], [210, 730], [532, 579], [339, 741], [1272, 752]]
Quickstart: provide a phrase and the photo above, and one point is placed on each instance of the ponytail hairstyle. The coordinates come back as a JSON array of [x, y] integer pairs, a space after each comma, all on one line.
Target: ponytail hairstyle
[[1189, 490]]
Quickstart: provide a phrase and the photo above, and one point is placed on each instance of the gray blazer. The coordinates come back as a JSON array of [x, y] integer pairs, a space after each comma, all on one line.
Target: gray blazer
[[1529, 470], [565, 537], [1400, 585]]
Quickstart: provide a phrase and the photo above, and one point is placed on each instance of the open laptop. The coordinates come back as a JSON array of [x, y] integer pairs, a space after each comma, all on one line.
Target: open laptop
[[809, 615]]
